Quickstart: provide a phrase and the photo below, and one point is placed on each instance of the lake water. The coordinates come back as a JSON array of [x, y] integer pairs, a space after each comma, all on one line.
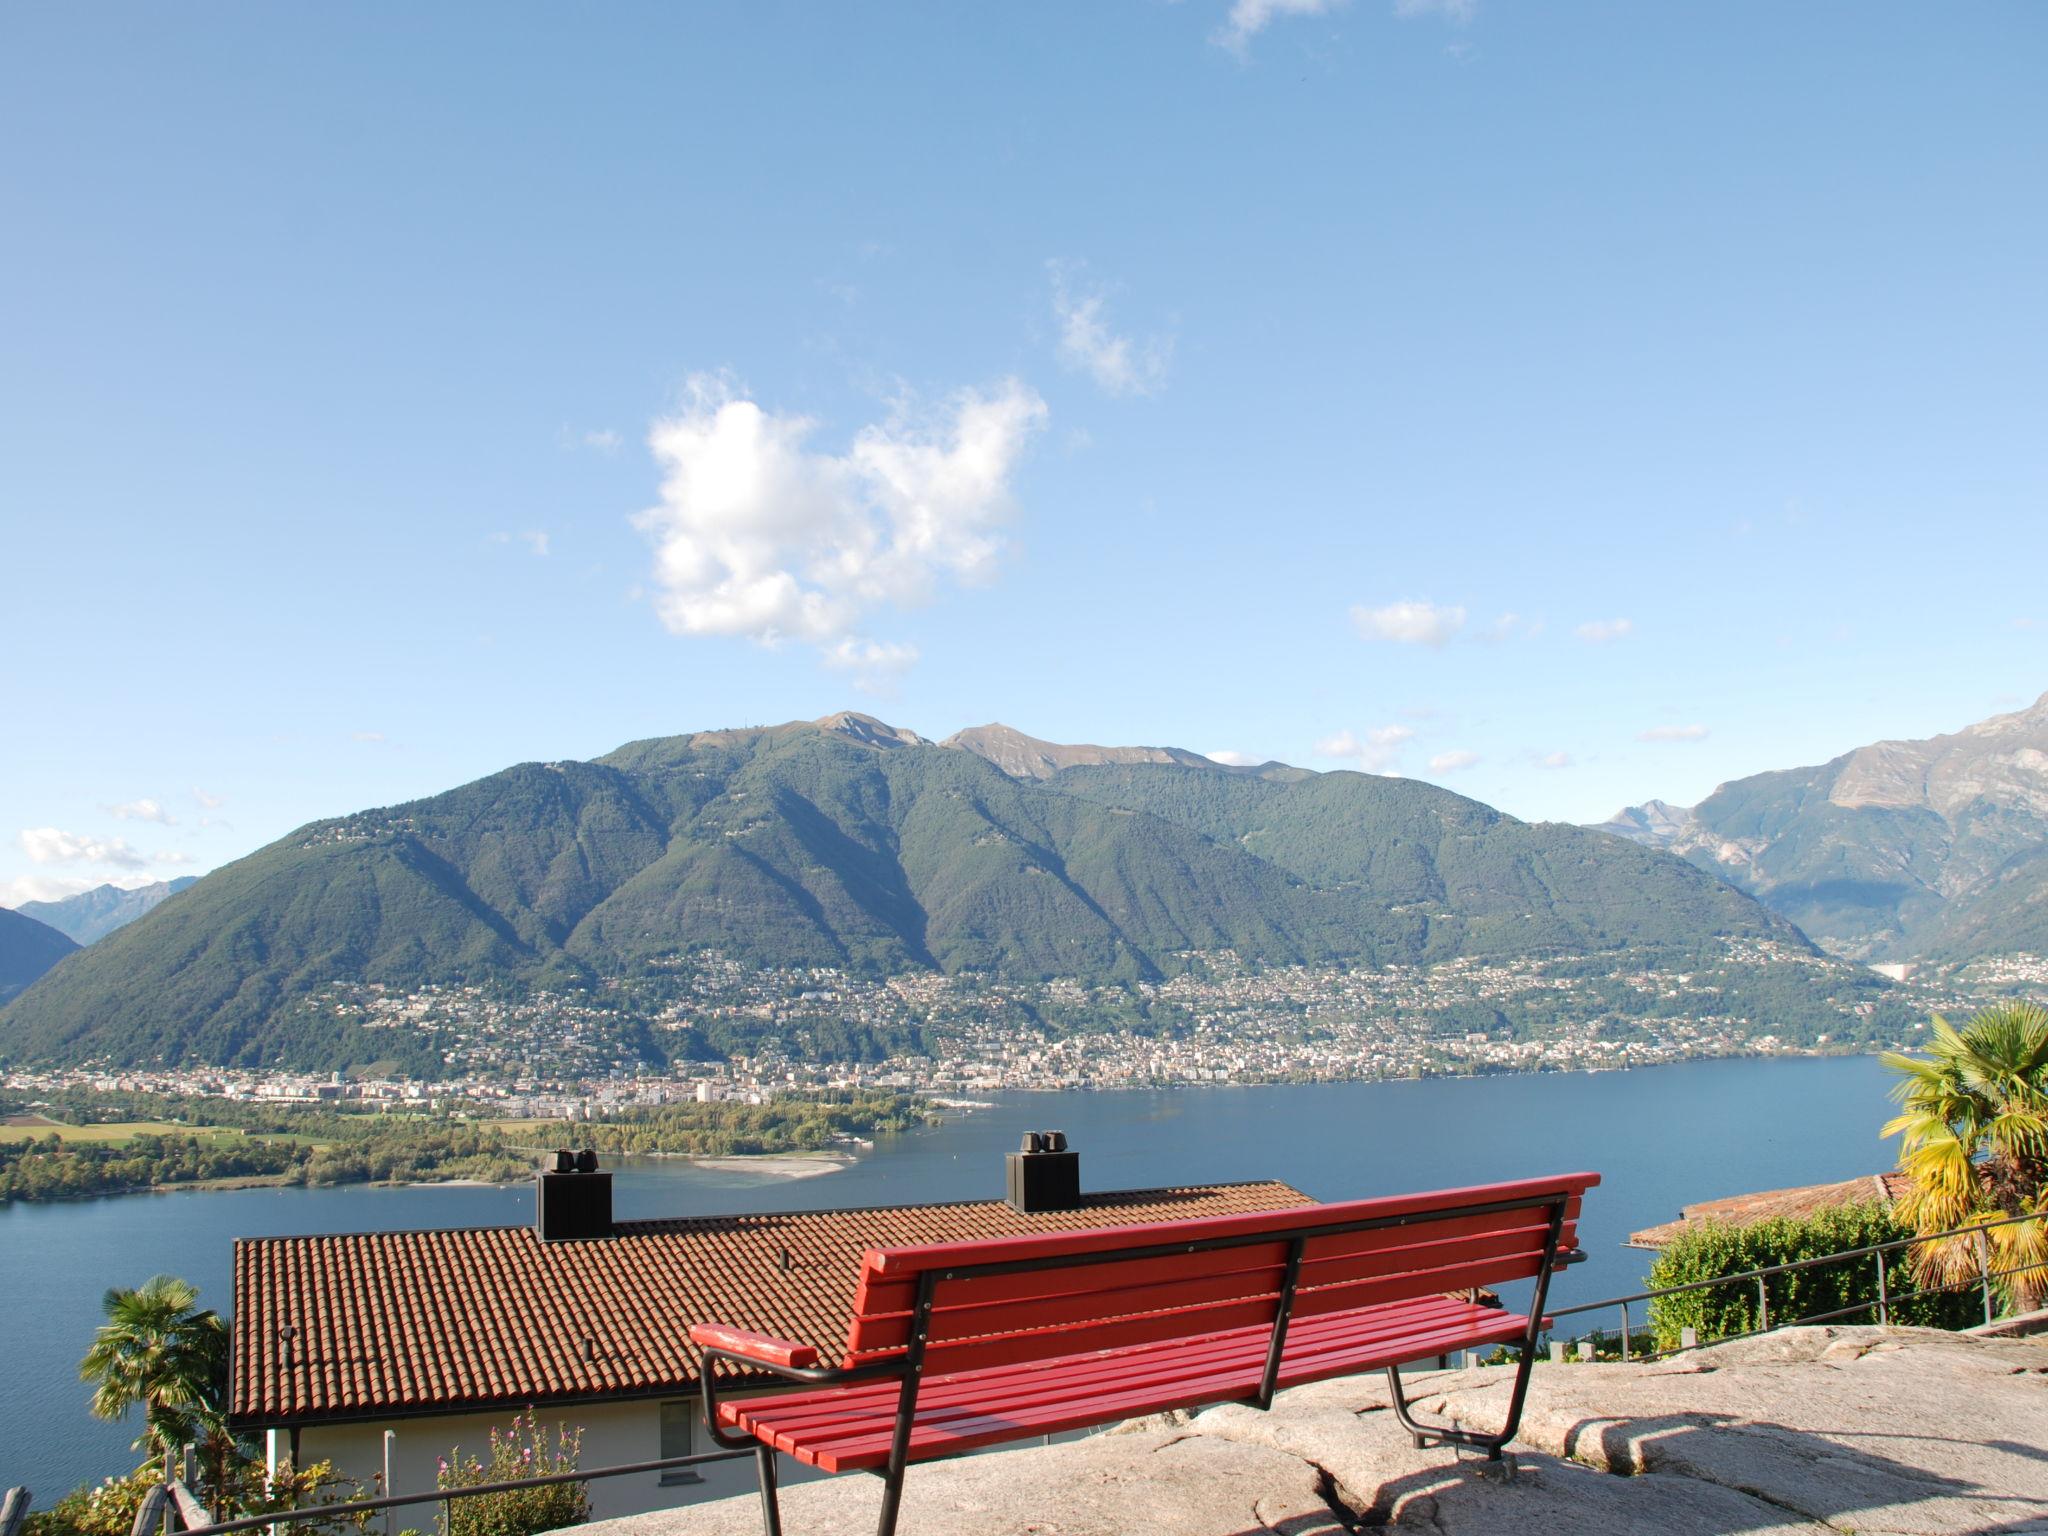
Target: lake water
[[1661, 1137]]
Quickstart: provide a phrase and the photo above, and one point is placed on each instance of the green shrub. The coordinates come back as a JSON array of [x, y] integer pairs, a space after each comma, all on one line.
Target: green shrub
[[108, 1507], [1712, 1249], [521, 1450]]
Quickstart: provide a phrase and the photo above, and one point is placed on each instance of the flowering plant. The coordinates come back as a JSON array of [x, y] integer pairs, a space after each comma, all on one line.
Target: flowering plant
[[522, 1449]]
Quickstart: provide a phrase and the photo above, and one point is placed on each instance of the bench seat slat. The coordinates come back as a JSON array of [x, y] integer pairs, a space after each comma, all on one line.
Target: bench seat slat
[[1113, 1367], [848, 1428]]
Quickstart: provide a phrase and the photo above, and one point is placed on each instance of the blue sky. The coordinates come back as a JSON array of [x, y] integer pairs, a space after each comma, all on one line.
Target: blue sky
[[1567, 403]]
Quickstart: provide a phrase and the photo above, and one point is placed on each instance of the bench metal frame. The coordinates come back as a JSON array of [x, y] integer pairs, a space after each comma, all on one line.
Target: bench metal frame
[[908, 1368]]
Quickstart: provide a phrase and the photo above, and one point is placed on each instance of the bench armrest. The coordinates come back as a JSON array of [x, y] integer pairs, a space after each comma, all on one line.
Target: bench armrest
[[758, 1347]]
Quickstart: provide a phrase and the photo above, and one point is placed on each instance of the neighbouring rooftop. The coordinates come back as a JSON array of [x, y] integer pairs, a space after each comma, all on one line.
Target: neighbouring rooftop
[[1805, 1200], [395, 1323]]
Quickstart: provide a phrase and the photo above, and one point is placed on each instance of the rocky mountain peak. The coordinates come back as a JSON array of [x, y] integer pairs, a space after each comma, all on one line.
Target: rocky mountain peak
[[1654, 823], [1026, 757], [869, 731]]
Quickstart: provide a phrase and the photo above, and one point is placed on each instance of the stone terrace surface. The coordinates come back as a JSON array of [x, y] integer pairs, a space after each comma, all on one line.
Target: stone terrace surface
[[1812, 1430]]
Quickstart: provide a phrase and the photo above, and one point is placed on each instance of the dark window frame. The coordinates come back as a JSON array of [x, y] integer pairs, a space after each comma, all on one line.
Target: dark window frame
[[684, 1411]]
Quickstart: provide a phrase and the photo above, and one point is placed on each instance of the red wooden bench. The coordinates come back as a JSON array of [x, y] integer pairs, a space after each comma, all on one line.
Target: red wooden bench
[[962, 1345]]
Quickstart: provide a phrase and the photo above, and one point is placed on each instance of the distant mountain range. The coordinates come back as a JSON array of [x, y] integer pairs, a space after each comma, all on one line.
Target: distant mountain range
[[852, 843], [98, 912], [1901, 849], [27, 949]]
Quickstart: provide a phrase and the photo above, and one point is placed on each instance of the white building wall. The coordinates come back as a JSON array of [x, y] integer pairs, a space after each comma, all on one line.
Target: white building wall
[[613, 1434]]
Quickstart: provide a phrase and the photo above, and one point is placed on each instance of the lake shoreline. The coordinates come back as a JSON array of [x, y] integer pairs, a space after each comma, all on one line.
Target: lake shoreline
[[794, 1164]]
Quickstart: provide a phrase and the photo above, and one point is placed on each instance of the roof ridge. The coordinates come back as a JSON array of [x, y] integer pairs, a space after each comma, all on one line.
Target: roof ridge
[[814, 1210]]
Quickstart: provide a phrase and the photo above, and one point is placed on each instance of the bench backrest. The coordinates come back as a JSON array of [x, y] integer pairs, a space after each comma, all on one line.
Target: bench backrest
[[1019, 1299]]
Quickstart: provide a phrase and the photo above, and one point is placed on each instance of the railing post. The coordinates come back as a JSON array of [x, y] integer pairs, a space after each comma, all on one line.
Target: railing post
[[1624, 1333], [1884, 1304], [13, 1511], [390, 1435], [1984, 1269], [1763, 1307], [151, 1511]]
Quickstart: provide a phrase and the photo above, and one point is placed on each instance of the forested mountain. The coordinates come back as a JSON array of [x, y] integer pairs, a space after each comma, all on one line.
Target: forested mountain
[[98, 912], [1898, 849], [27, 949], [851, 844]]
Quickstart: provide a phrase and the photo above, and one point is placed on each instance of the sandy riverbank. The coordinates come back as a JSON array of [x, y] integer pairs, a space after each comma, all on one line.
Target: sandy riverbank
[[780, 1165]]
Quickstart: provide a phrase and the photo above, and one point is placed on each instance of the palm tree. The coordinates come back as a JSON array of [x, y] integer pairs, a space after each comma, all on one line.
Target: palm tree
[[1974, 1142], [158, 1349]]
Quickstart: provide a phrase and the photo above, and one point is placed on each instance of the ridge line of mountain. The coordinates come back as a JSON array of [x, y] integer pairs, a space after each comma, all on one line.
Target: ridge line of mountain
[[853, 845]]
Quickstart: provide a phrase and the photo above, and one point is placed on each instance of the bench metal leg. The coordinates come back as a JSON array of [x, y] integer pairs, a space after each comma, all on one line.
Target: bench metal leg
[[892, 1501], [771, 1504], [1450, 1434]]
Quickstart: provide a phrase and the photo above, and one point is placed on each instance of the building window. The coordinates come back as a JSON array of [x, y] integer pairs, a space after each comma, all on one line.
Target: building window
[[678, 1427]]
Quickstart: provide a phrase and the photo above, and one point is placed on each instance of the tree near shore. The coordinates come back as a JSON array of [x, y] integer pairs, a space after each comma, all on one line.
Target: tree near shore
[[1973, 1140], [160, 1350]]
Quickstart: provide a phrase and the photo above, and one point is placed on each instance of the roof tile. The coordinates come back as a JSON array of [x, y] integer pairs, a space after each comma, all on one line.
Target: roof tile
[[395, 1322]]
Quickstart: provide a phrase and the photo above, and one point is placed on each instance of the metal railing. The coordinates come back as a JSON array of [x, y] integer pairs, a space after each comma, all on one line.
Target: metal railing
[[171, 1507], [1883, 1306]]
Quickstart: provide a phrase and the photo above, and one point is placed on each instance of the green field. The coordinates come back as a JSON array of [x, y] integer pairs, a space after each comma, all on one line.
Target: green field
[[118, 1133], [553, 1128]]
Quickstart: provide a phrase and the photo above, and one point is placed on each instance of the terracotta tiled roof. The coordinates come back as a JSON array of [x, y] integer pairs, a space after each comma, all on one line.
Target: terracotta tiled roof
[[396, 1323], [1806, 1200]]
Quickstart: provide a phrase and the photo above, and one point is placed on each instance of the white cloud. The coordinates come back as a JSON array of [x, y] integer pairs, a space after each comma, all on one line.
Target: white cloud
[[370, 738], [48, 845], [601, 439], [875, 664], [759, 535], [1378, 751], [1408, 623], [170, 856], [1248, 18], [1673, 733], [208, 802], [534, 539], [1459, 11], [1234, 759], [1118, 364], [1604, 631], [1452, 762], [141, 810], [1554, 760]]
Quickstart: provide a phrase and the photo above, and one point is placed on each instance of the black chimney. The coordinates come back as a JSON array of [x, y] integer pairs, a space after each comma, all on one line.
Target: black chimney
[[575, 1200], [1044, 1175]]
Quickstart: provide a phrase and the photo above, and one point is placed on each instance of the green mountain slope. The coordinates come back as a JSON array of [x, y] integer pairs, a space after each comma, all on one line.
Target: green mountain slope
[[845, 843], [1439, 876], [27, 949]]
